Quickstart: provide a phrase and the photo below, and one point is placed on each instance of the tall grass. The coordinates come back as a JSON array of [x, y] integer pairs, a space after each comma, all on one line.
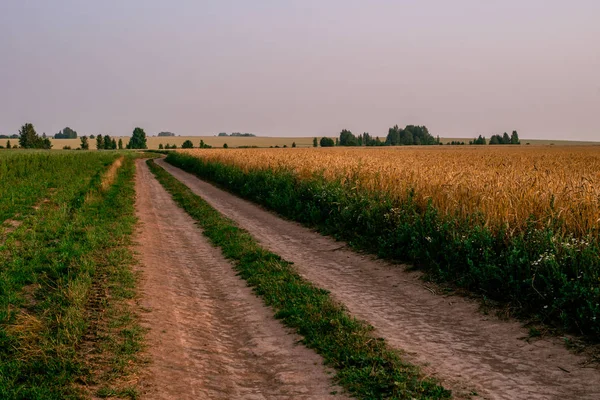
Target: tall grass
[[27, 176], [544, 264]]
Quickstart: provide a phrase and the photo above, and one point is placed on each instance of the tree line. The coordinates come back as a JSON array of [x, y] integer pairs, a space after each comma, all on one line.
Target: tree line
[[498, 139], [188, 144], [237, 134], [411, 135], [29, 139]]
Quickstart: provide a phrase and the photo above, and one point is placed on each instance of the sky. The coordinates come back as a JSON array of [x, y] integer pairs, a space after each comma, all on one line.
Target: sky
[[302, 68]]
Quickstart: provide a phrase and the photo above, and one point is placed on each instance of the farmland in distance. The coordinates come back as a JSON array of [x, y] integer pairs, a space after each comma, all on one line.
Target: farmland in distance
[[265, 142]]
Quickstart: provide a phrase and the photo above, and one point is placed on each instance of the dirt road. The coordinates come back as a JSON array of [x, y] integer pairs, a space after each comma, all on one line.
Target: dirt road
[[448, 335], [210, 337]]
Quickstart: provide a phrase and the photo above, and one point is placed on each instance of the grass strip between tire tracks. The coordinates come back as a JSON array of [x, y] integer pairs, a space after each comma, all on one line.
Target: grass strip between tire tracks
[[365, 365]]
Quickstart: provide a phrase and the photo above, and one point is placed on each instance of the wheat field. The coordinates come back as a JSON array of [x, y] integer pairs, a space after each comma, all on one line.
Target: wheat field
[[507, 185]]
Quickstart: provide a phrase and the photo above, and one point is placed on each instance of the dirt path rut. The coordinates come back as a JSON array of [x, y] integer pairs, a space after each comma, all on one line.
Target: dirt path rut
[[464, 348], [210, 337]]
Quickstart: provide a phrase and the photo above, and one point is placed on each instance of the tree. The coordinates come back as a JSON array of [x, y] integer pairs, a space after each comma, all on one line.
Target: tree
[[315, 142], [160, 134], [327, 142], [514, 138], [138, 139], [92, 136], [479, 140], [347, 138], [160, 146], [107, 142], [66, 133], [293, 144], [223, 134], [85, 145], [99, 142], [8, 144], [187, 144], [225, 146], [120, 144], [28, 138], [113, 144], [393, 136], [505, 138], [407, 138]]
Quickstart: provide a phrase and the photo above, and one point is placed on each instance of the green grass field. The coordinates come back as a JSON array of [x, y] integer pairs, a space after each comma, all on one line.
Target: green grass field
[[65, 275]]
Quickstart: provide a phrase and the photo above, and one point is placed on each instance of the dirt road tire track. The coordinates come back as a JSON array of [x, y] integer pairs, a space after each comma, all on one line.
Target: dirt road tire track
[[209, 336], [447, 335]]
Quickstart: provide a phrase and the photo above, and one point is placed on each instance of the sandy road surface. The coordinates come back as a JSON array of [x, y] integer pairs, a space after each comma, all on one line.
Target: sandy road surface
[[210, 337], [448, 335]]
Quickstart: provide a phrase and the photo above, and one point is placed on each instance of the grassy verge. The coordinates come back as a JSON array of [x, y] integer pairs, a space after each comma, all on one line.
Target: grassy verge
[[59, 273], [365, 365], [537, 273]]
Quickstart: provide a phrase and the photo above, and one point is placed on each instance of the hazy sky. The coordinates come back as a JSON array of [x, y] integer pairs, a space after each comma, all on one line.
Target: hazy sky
[[302, 68]]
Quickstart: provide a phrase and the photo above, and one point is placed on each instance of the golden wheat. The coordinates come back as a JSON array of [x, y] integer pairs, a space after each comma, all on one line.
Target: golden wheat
[[506, 185]]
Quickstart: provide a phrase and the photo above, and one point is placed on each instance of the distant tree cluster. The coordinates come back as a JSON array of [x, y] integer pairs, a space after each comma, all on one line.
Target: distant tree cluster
[[66, 133], [411, 135], [480, 140], [15, 136], [456, 143], [106, 143], [505, 139], [326, 142], [160, 134], [498, 139], [186, 145], [29, 139], [234, 134]]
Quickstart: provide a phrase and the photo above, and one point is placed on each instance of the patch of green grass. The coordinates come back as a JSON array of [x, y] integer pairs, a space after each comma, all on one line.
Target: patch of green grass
[[59, 269], [364, 364]]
